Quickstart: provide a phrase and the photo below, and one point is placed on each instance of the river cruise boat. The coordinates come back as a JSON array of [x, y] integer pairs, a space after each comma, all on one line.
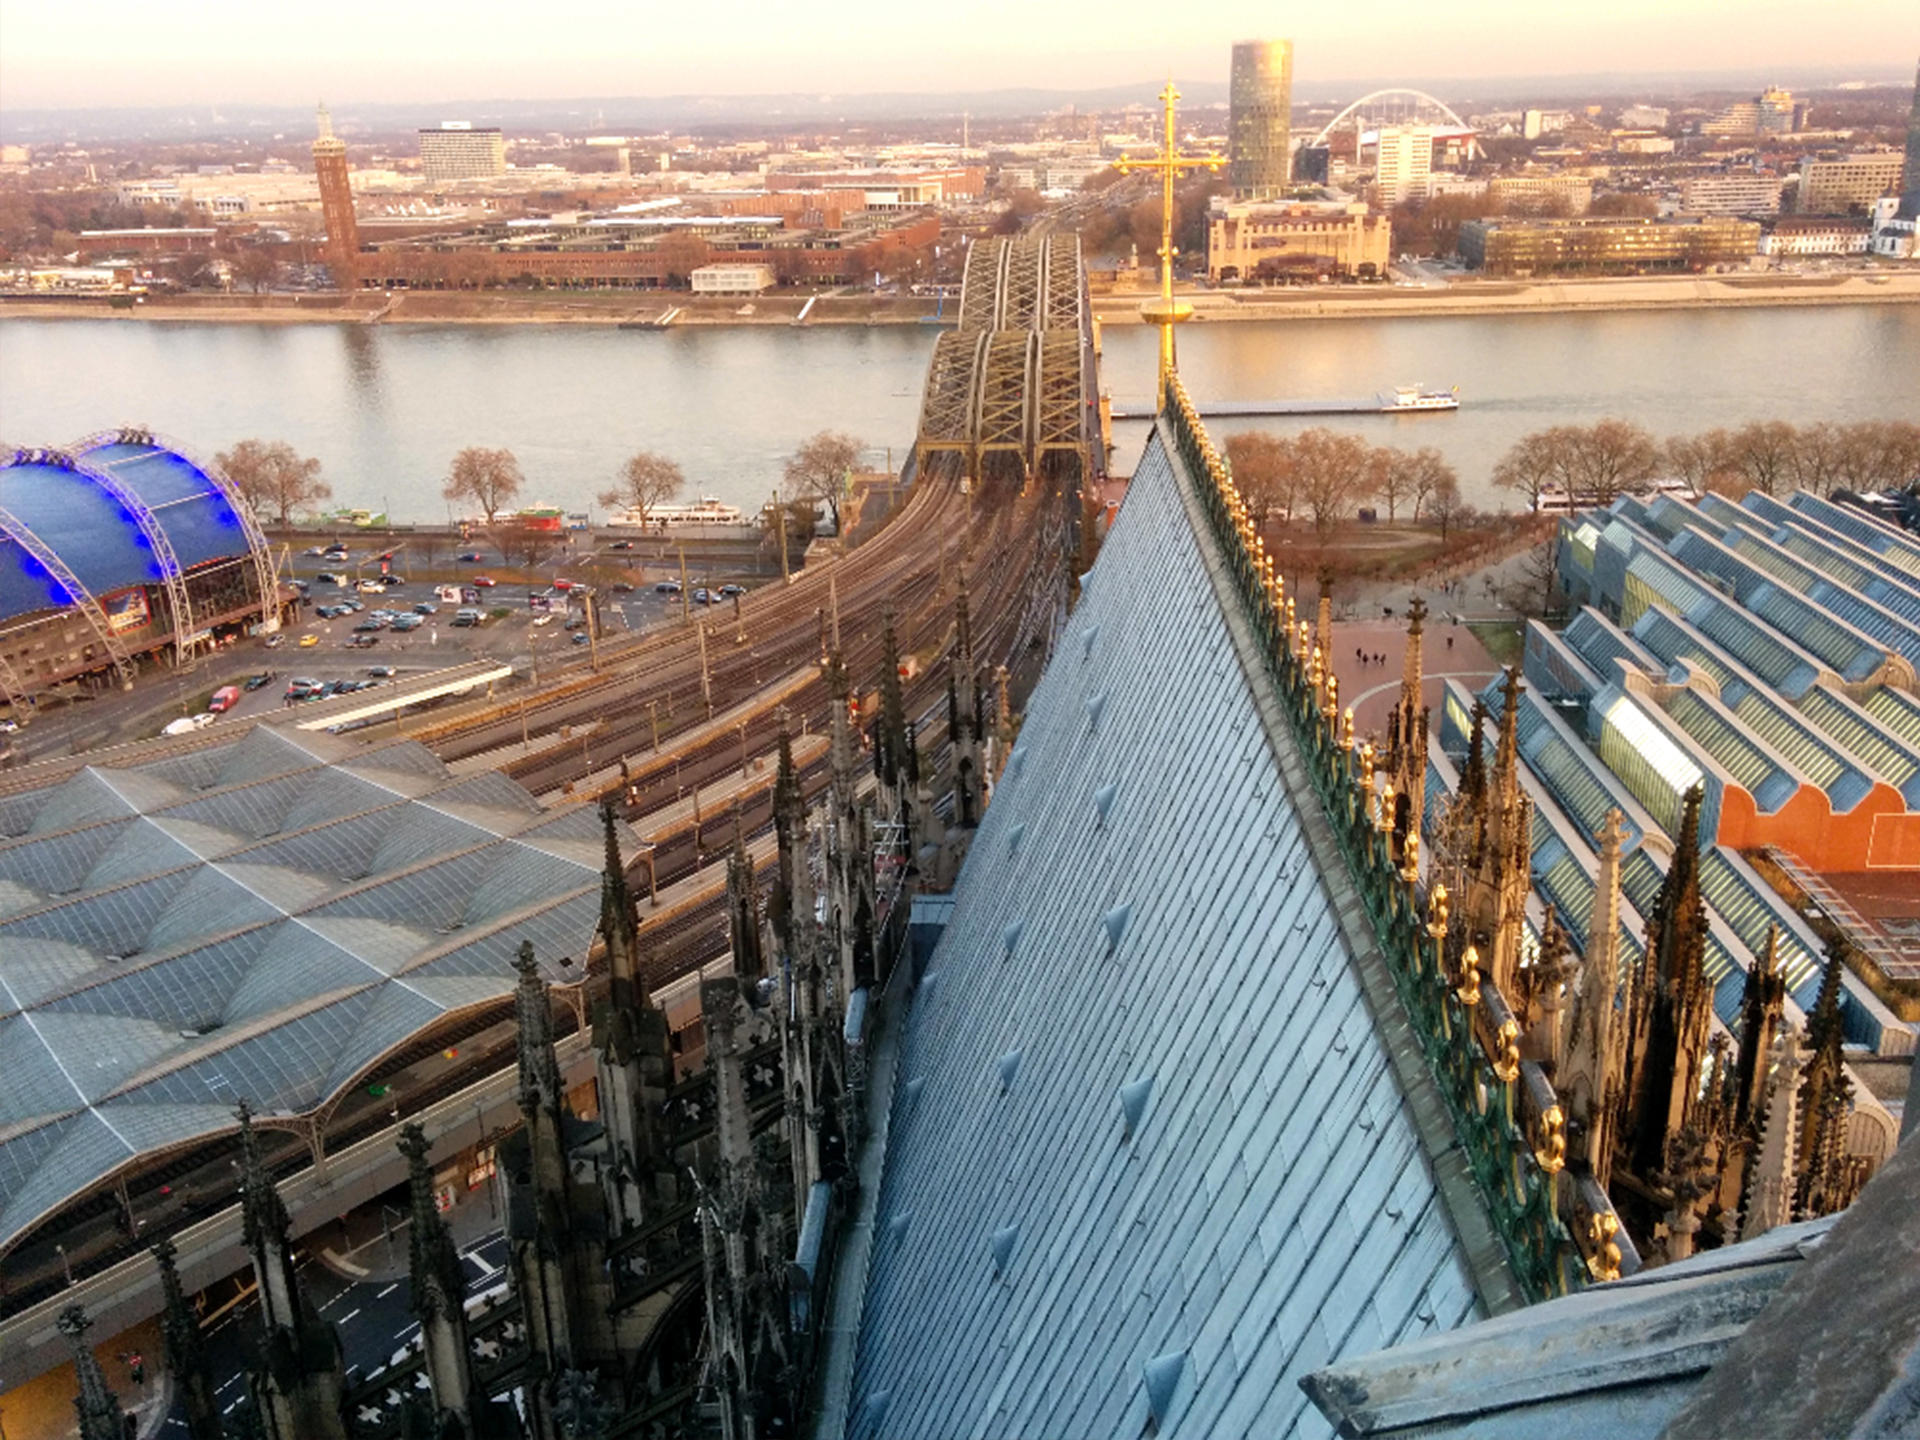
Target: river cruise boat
[[704, 514], [1403, 398], [1555, 500]]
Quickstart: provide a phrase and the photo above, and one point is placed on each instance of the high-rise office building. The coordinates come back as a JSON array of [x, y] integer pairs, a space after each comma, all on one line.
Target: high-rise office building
[[1405, 168], [457, 151], [1910, 184], [1260, 118], [1849, 184], [336, 205]]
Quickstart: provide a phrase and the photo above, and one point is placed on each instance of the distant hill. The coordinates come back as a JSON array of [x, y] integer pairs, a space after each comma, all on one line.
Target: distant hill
[[706, 112]]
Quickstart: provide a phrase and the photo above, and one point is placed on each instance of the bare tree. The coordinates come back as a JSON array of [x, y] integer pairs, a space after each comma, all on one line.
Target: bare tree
[[1446, 509], [1876, 453], [490, 479], [1818, 455], [646, 480], [1762, 452], [1704, 461], [1426, 471], [1264, 473], [524, 545], [1612, 457], [1535, 462], [274, 477], [1334, 476], [818, 470], [1531, 590], [256, 269]]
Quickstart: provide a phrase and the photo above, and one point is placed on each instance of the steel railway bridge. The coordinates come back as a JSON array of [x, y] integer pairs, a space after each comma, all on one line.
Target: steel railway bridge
[[1011, 392]]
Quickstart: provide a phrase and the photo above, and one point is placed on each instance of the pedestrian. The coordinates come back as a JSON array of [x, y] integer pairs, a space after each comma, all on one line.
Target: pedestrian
[[1449, 642]]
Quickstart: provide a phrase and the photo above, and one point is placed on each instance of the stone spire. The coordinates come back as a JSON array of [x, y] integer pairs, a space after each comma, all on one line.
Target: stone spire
[[1826, 1088], [1546, 995], [895, 764], [964, 722], [1673, 1005], [792, 901], [633, 1062], [1407, 733], [186, 1352], [299, 1387], [1589, 1078], [264, 1225], [743, 910], [96, 1405], [533, 1013], [1771, 1172], [439, 1290], [1761, 1004], [619, 927]]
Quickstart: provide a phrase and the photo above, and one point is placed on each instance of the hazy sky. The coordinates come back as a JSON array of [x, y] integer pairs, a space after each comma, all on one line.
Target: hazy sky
[[136, 52]]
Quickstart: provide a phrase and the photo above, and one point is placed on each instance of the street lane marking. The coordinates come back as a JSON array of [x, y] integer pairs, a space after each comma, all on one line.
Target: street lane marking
[[349, 1315], [388, 1291]]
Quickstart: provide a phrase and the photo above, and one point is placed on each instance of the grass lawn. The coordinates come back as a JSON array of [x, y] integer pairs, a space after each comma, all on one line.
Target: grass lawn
[[1502, 639]]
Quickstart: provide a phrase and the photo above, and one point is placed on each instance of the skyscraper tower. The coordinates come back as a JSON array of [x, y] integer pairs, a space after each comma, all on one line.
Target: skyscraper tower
[[1259, 118], [336, 205], [1910, 182]]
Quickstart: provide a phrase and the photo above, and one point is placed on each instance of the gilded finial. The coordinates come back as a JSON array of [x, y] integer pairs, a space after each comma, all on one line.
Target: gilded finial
[[1383, 822], [1468, 990], [1410, 861], [1346, 729], [1437, 907]]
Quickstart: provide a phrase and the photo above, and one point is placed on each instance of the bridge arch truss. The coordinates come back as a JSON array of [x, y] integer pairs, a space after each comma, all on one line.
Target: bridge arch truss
[[1394, 106], [1011, 382]]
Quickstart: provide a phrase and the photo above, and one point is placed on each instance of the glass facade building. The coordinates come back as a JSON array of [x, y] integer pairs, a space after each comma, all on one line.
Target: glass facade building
[[1260, 118]]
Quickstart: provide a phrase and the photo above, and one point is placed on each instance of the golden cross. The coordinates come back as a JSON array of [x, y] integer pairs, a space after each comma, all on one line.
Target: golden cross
[[1166, 312]]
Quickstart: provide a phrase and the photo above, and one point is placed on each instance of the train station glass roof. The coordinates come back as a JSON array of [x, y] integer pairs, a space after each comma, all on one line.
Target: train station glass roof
[[263, 920]]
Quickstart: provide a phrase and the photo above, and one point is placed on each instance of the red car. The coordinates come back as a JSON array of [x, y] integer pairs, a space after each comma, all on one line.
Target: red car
[[560, 584], [485, 582]]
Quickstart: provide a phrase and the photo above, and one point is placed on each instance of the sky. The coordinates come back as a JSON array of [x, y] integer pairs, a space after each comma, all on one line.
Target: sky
[[55, 54]]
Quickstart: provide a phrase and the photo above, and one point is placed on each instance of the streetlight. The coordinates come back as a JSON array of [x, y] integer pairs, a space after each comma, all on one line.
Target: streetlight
[[65, 1264]]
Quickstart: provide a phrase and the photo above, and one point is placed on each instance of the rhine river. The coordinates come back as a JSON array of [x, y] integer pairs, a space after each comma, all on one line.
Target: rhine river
[[386, 407]]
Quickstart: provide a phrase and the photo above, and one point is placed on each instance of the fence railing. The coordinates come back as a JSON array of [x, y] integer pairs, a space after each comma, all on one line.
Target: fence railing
[[1503, 1109]]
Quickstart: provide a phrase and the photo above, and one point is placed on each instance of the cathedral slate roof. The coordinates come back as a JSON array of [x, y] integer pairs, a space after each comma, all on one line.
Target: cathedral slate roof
[[1147, 1157]]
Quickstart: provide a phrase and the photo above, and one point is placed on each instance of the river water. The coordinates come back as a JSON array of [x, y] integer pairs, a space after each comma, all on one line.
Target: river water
[[386, 407]]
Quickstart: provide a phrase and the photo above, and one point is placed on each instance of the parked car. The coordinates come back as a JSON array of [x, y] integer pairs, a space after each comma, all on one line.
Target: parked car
[[382, 672], [426, 607], [332, 577], [485, 582], [667, 587], [372, 587], [224, 699], [319, 552], [621, 587], [255, 682], [729, 591], [546, 619], [701, 597], [363, 642], [301, 688], [582, 638], [183, 726], [621, 545], [561, 583], [276, 640], [369, 625], [307, 642]]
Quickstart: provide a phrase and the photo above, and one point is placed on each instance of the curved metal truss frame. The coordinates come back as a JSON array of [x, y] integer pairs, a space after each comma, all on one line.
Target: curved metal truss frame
[[949, 409], [1064, 309], [171, 577], [1419, 97], [980, 287], [1004, 420], [257, 548], [1019, 386], [84, 599], [1059, 411], [1022, 283]]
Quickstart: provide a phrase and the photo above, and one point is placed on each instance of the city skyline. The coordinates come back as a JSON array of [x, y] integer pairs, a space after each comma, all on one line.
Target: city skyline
[[436, 54]]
